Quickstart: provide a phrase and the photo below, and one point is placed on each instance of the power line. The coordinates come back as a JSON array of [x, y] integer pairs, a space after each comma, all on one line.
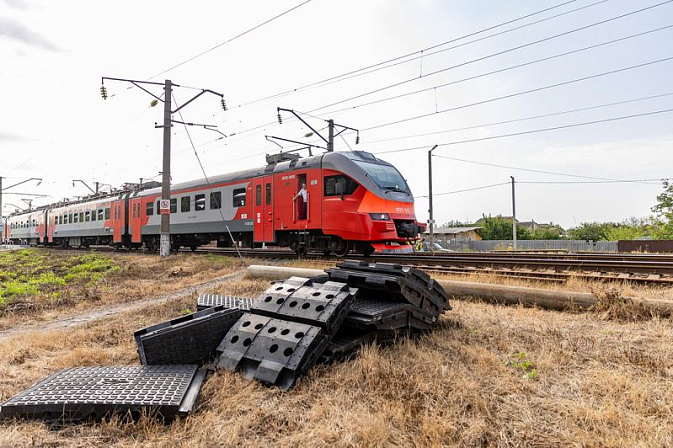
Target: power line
[[555, 173], [534, 131], [377, 66], [334, 78], [512, 67], [517, 120], [531, 182], [230, 40], [525, 92], [546, 39]]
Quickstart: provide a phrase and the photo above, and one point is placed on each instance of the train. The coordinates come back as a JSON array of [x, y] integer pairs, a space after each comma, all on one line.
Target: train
[[352, 201]]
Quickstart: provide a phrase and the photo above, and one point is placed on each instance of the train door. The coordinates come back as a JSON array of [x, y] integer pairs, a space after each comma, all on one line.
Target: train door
[[263, 209], [135, 220], [117, 211]]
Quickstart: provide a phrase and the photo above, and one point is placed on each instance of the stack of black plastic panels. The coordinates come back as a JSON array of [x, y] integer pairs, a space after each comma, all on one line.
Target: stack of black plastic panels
[[85, 393], [384, 290], [190, 339], [286, 330], [205, 301]]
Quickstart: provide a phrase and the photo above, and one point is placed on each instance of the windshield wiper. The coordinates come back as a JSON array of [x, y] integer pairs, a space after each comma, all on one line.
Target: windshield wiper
[[399, 190]]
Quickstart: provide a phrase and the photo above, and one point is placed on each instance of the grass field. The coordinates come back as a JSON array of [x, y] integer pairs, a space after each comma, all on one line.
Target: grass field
[[486, 376]]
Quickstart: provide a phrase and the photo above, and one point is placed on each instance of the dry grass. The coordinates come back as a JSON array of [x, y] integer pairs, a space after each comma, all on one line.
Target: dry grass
[[486, 376]]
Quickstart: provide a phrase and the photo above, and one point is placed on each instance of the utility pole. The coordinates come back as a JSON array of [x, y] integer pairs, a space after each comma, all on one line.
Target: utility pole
[[329, 141], [330, 137], [165, 242], [431, 220], [164, 209], [513, 215]]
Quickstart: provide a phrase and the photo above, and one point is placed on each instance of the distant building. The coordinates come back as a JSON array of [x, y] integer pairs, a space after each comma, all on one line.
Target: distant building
[[448, 234]]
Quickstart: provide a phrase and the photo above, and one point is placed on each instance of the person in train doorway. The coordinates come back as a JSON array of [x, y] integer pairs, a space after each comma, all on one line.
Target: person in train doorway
[[302, 195]]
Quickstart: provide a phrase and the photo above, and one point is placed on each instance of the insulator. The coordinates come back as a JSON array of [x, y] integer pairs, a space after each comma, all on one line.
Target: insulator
[[224, 104], [280, 119], [103, 92], [357, 140]]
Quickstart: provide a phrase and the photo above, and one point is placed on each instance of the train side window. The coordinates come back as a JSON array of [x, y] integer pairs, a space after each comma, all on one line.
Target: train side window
[[149, 208], [258, 195], [185, 204], [100, 214], [158, 206], [81, 216], [174, 205], [334, 185], [239, 197], [93, 215], [215, 200], [107, 213], [87, 216], [199, 202], [76, 218], [268, 194]]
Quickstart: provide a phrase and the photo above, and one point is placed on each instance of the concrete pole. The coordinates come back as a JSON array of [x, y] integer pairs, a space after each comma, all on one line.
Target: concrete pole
[[431, 220], [513, 215], [330, 137], [165, 243]]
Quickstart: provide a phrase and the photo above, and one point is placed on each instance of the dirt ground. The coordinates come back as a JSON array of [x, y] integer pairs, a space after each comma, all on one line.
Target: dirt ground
[[488, 375]]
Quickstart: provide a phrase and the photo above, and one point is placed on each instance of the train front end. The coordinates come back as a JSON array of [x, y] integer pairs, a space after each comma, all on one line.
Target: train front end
[[368, 202]]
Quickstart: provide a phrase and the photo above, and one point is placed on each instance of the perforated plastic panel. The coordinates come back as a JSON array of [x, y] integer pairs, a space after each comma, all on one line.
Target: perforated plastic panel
[[205, 301], [190, 339], [324, 304], [96, 392], [411, 274], [270, 350]]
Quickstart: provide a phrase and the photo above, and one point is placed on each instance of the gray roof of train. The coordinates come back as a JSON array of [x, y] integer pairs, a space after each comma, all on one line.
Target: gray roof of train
[[340, 161]]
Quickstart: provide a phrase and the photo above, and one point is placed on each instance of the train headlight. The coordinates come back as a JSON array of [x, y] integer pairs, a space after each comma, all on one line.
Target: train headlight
[[380, 216]]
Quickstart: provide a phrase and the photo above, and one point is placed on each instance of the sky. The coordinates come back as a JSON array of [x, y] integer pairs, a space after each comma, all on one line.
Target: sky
[[571, 98]]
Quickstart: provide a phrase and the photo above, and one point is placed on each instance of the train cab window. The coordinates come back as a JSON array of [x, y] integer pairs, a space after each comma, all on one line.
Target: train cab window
[[87, 216], [185, 204], [335, 185], [174, 205], [149, 208], [239, 197], [199, 202], [107, 213], [258, 195], [268, 194], [215, 200], [100, 214]]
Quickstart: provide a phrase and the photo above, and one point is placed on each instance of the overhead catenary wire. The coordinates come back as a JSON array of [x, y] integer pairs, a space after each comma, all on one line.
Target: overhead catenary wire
[[377, 66], [258, 127], [533, 131], [518, 120], [491, 55], [229, 40], [501, 70], [525, 92], [265, 125], [529, 170]]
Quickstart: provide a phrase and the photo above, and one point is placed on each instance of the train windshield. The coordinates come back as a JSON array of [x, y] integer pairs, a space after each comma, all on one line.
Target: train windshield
[[385, 176]]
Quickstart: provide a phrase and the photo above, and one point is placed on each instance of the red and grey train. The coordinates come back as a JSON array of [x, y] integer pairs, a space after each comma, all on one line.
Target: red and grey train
[[353, 201]]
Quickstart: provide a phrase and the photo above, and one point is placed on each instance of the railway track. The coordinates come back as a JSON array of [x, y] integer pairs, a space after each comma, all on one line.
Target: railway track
[[636, 268]]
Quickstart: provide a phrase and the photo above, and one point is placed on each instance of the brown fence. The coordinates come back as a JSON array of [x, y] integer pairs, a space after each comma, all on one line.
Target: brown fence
[[656, 246]]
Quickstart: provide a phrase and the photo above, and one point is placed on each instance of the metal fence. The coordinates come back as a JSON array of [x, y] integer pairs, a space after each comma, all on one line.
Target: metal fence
[[539, 245]]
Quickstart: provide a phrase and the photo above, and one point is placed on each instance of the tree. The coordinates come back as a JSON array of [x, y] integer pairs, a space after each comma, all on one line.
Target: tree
[[500, 228], [594, 231], [455, 223], [546, 233], [664, 211]]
